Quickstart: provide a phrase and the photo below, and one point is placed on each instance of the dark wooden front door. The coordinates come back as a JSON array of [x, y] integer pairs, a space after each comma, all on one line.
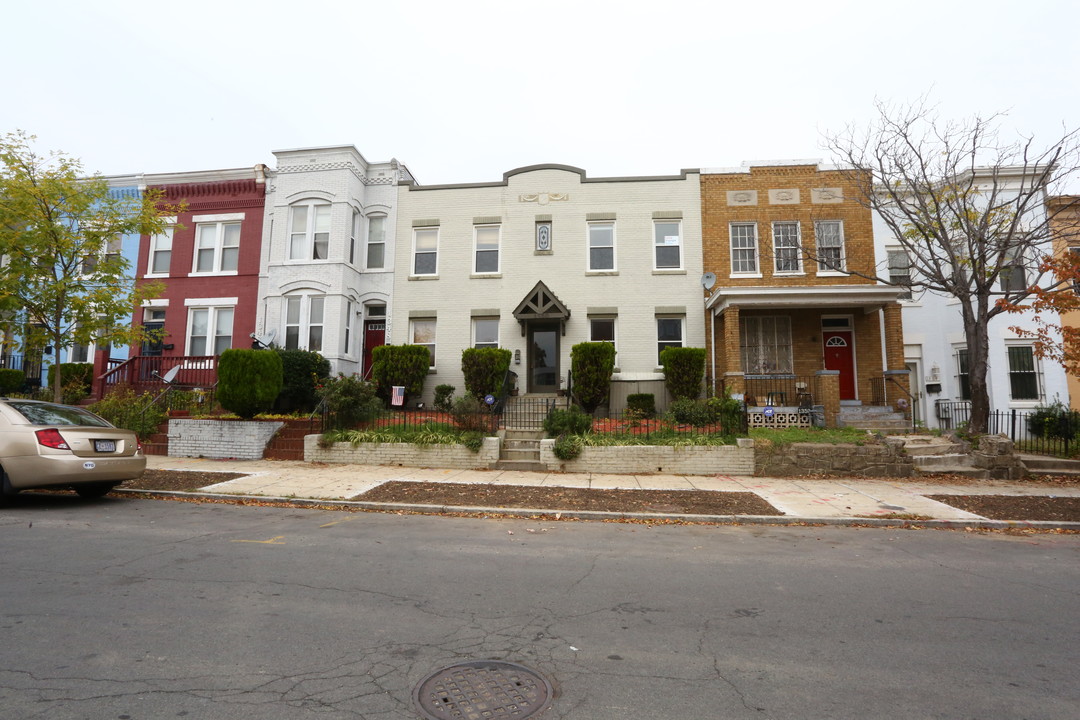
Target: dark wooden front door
[[543, 360]]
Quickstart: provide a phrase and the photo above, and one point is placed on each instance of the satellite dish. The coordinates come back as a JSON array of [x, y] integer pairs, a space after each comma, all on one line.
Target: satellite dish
[[708, 280], [169, 375], [265, 339]]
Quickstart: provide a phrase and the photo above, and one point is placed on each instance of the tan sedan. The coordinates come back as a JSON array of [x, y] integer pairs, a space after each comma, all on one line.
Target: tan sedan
[[45, 445]]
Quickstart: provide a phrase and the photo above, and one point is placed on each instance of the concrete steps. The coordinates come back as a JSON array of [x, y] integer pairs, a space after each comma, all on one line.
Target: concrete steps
[[521, 450], [873, 418], [1046, 465]]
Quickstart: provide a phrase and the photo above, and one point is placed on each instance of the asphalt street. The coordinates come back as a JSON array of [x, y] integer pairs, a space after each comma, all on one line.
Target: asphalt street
[[136, 609]]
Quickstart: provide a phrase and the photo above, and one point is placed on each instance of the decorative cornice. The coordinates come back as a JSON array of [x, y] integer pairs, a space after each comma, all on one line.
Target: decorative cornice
[[342, 165]]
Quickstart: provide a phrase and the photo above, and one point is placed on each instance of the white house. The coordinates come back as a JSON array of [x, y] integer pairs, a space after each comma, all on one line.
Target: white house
[[327, 260], [545, 259]]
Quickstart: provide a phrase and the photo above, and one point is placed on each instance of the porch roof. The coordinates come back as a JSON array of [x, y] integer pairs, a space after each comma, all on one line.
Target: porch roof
[[868, 297]]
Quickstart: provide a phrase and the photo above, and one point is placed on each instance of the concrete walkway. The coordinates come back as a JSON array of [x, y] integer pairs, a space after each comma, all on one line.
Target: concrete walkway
[[798, 499]]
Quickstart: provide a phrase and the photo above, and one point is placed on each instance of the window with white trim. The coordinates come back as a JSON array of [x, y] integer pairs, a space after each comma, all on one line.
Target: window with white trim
[[669, 333], [485, 332], [160, 253], [422, 332], [209, 330], [354, 234], [1023, 372], [602, 330], [601, 246], [426, 251], [309, 231], [110, 252], [667, 242], [346, 343], [900, 271], [765, 344], [963, 374], [376, 242], [217, 247], [744, 248], [486, 243], [304, 322], [1074, 252], [786, 246], [830, 245], [1013, 277]]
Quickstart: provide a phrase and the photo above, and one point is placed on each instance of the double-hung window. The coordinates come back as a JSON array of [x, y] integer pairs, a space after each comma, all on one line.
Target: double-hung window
[[744, 248], [309, 232], [209, 330], [485, 332], [667, 241], [669, 333], [304, 322], [1012, 276], [786, 247], [376, 242], [217, 247], [830, 245], [602, 246], [486, 238], [354, 234], [1023, 373], [963, 374], [346, 342], [900, 271], [426, 251], [422, 332], [160, 253], [110, 252]]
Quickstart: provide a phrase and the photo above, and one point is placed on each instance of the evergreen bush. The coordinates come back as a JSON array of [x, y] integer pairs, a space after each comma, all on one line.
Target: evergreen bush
[[301, 371], [484, 370], [591, 366], [248, 381], [567, 422], [1054, 421], [405, 365], [684, 371], [567, 447], [472, 415], [75, 379], [642, 403], [349, 400], [444, 397], [11, 380]]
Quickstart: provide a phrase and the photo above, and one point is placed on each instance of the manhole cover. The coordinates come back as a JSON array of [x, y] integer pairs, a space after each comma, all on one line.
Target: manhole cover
[[483, 689]]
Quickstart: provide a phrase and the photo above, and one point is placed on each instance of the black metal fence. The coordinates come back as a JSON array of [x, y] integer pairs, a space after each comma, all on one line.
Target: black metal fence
[[779, 390], [1046, 431]]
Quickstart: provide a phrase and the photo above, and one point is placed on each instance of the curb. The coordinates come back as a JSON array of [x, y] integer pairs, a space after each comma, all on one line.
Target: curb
[[532, 513]]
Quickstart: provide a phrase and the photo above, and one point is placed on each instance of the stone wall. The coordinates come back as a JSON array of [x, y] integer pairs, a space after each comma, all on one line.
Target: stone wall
[[799, 459], [406, 454], [239, 439], [997, 456], [695, 460]]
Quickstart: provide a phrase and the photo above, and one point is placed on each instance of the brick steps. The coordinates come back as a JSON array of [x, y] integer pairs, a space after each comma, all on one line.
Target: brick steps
[[288, 444]]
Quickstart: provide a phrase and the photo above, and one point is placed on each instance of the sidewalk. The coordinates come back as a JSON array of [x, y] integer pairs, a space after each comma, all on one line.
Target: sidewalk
[[835, 500]]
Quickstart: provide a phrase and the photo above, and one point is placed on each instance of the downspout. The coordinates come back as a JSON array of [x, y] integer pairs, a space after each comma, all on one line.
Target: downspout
[[712, 345]]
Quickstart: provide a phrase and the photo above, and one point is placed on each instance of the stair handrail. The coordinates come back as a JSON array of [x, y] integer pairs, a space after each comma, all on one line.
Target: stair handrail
[[889, 378]]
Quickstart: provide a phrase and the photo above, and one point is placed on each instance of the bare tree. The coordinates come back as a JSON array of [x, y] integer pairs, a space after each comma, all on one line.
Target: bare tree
[[967, 207]]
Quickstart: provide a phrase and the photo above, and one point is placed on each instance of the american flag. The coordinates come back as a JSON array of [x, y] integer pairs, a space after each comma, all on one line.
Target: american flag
[[398, 397]]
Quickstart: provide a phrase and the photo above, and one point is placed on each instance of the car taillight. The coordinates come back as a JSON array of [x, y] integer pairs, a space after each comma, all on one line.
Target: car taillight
[[51, 438]]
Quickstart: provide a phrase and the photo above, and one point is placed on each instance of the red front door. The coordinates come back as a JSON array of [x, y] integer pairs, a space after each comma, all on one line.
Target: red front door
[[374, 336], [840, 355]]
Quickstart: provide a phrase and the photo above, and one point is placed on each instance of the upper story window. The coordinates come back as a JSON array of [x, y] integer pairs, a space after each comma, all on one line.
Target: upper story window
[[900, 271], [309, 231], [786, 246], [354, 234], [376, 242], [217, 247], [667, 241], [830, 245], [602, 246], [426, 251], [485, 332], [1013, 277], [160, 253], [487, 248], [110, 251], [744, 248]]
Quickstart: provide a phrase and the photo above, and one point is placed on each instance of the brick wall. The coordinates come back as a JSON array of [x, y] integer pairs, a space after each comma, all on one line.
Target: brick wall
[[405, 454], [699, 460], [242, 440]]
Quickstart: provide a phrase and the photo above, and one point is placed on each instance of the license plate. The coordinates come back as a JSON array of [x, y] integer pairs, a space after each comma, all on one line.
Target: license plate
[[104, 446]]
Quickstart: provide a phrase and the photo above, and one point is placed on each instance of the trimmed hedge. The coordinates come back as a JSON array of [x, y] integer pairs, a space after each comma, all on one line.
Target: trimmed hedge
[[684, 371], [11, 380], [301, 371], [72, 373], [643, 403], [405, 365], [591, 365], [484, 370], [248, 381]]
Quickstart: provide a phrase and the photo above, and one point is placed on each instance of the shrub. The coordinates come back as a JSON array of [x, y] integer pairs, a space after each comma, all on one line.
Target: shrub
[[123, 407], [349, 400], [444, 397], [567, 422], [643, 404], [692, 412], [75, 380], [472, 440], [567, 447], [684, 370], [1054, 421], [248, 381], [405, 365], [301, 371], [471, 414], [484, 370], [11, 380], [591, 365]]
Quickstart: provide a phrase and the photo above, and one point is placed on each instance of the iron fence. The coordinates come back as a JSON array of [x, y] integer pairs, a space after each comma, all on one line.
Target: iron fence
[[779, 390], [1040, 431]]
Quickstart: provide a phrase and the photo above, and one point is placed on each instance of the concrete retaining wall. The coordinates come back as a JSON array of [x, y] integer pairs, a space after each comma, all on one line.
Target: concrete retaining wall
[[695, 460], [406, 454], [885, 460], [240, 439]]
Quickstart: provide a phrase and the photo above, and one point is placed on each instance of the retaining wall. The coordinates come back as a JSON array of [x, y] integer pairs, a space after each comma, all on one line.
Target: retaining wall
[[887, 459], [239, 439], [685, 460], [406, 454]]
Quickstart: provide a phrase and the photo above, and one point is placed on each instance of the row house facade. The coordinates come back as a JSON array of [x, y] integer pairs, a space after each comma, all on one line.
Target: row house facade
[[790, 256], [1065, 227], [543, 260]]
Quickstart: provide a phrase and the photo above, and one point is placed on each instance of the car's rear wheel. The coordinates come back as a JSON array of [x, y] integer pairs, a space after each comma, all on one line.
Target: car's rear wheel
[[93, 491]]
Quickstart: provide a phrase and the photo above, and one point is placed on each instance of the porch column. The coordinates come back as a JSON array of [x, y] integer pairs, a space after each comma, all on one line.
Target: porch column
[[894, 342], [828, 394], [732, 358]]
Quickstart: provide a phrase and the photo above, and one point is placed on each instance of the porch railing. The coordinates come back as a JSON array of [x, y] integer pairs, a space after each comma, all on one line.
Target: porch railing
[[779, 390], [30, 364], [146, 372]]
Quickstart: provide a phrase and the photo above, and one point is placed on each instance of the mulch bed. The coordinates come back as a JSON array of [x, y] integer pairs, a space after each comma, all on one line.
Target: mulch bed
[[695, 502], [178, 480], [1016, 507]]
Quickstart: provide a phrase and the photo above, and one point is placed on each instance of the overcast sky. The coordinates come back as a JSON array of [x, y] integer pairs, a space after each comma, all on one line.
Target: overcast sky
[[464, 91]]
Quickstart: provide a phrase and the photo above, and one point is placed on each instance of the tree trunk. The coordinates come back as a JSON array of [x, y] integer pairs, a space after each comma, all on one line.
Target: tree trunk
[[978, 351], [58, 384]]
